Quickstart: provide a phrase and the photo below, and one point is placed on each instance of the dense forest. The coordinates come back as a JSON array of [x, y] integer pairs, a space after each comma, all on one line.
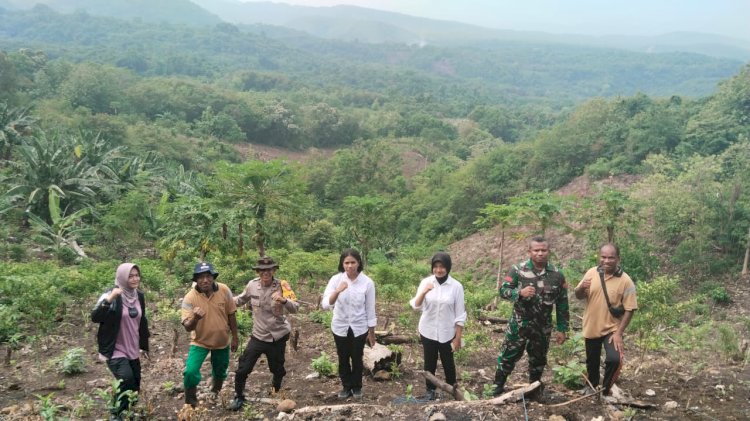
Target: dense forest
[[126, 139]]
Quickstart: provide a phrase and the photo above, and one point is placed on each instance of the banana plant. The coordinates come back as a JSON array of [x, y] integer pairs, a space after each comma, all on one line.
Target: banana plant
[[65, 230]]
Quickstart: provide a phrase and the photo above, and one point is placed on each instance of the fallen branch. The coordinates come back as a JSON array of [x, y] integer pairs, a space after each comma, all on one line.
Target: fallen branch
[[515, 395], [457, 393], [491, 319], [512, 396], [396, 339]]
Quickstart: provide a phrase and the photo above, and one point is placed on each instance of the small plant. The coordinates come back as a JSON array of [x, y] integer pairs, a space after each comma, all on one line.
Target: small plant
[[48, 409], [61, 384], [569, 375], [720, 295], [729, 343], [468, 396], [488, 390], [409, 392], [84, 406], [396, 349], [629, 413], [322, 317], [466, 376], [72, 362], [250, 412], [324, 366], [395, 371], [114, 399]]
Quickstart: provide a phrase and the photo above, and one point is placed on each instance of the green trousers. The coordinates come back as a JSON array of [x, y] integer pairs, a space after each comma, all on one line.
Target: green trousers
[[195, 358]]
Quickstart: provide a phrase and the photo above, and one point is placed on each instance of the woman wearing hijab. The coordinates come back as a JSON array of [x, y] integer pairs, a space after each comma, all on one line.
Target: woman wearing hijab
[[123, 332], [441, 299], [351, 293]]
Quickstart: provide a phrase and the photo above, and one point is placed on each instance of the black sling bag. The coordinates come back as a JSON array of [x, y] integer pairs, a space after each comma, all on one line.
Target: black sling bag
[[618, 311]]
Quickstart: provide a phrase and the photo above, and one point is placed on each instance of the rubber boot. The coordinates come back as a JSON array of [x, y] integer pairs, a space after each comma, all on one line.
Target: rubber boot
[[191, 396], [500, 378], [538, 393], [216, 385]]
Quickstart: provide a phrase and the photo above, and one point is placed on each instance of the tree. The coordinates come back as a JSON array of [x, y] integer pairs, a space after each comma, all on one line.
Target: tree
[[539, 208], [368, 222], [79, 170], [263, 196]]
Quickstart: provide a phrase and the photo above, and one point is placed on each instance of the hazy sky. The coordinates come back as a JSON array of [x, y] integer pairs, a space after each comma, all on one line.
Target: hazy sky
[[591, 17]]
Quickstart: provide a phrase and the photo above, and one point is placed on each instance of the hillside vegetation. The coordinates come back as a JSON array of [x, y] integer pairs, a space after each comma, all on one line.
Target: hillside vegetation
[[124, 140]]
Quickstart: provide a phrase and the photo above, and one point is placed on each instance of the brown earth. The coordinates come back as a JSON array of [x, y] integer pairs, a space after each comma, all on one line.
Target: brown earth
[[704, 385]]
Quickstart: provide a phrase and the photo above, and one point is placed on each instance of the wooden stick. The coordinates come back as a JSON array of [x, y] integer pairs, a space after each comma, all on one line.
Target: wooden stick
[[396, 339], [457, 394], [574, 400], [491, 319], [515, 395]]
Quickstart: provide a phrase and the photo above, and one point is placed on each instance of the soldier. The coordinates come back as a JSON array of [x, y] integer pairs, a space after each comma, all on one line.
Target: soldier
[[269, 297], [534, 286]]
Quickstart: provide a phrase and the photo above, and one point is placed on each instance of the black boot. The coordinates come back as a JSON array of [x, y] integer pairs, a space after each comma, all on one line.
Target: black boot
[[237, 403], [538, 392], [500, 378], [216, 386], [191, 396]]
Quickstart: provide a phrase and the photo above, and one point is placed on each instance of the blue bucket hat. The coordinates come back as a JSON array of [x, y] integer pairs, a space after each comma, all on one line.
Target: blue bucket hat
[[204, 267]]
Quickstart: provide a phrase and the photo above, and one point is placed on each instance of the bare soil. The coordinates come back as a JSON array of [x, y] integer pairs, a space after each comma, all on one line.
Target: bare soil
[[703, 385]]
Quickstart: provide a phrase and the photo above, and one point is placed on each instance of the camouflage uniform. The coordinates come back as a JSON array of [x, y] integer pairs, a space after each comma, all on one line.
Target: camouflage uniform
[[530, 326]]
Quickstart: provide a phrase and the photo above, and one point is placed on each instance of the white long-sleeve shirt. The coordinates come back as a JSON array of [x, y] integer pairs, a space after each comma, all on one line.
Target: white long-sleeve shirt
[[355, 307], [442, 309]]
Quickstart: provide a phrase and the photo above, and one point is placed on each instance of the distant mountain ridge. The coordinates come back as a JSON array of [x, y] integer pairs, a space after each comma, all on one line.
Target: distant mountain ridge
[[353, 23], [172, 11]]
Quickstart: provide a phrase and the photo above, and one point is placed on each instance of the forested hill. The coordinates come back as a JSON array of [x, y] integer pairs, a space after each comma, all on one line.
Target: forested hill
[[367, 25], [490, 72]]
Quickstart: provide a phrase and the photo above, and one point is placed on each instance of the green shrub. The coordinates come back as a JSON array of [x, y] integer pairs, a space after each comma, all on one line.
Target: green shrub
[[569, 375], [322, 317], [324, 366], [72, 362]]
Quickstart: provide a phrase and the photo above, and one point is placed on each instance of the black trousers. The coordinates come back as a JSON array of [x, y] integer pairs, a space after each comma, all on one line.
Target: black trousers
[[431, 351], [275, 354], [129, 374], [612, 361], [350, 350]]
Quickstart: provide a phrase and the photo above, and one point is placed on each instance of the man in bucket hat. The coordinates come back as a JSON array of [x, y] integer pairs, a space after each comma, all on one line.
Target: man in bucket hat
[[208, 313], [269, 297]]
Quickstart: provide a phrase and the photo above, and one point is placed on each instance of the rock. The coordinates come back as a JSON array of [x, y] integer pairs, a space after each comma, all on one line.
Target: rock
[[670, 405], [287, 405], [482, 372], [381, 375], [284, 416], [438, 416], [599, 418], [617, 415], [311, 376], [650, 392], [556, 418]]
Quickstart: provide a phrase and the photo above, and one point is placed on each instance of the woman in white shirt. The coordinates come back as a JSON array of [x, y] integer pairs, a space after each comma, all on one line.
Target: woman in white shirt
[[440, 297], [351, 293]]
